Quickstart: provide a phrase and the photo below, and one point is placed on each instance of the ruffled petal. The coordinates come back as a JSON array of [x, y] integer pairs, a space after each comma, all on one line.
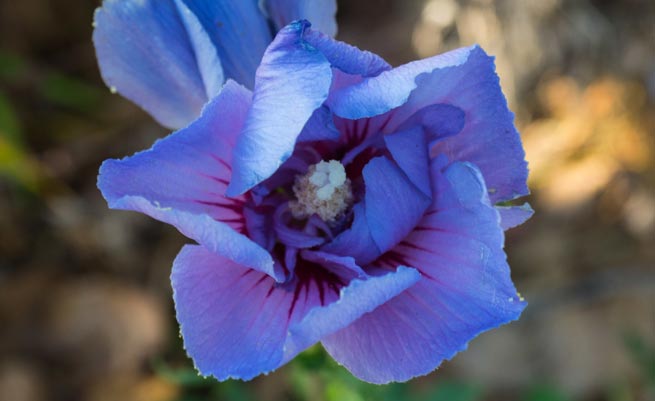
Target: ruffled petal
[[410, 150], [393, 204], [346, 58], [439, 121], [320, 127], [181, 180], [321, 13], [238, 323], [159, 59], [292, 81], [465, 290], [357, 241], [231, 318], [342, 266], [512, 216], [357, 299], [463, 78], [239, 32], [209, 65], [391, 89]]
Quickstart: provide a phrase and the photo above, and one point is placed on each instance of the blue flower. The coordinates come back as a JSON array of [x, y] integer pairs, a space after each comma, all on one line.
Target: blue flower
[[171, 56], [341, 201]]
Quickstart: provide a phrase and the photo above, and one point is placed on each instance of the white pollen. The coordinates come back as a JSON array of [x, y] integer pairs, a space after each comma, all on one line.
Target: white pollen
[[337, 173], [323, 166], [325, 193], [324, 190], [319, 178]]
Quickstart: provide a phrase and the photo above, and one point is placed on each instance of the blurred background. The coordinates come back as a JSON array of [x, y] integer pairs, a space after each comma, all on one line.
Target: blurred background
[[85, 299]]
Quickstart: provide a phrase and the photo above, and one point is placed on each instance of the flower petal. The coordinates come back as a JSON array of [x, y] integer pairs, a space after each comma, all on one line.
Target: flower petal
[[393, 204], [320, 127], [512, 216], [347, 58], [239, 32], [439, 121], [238, 323], [357, 241], [466, 287], [292, 81], [410, 150], [156, 58], [342, 266], [209, 65], [391, 89], [181, 180], [358, 298], [321, 13], [232, 319], [463, 78]]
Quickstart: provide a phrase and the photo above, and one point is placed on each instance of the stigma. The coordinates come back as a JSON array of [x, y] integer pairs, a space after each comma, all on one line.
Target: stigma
[[324, 190]]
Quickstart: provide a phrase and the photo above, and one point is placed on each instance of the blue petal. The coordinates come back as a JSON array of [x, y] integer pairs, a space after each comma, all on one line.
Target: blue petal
[[239, 32], [232, 319], [357, 299], [292, 81], [512, 216], [345, 57], [182, 178], [393, 204], [154, 57], [209, 65], [391, 89], [357, 241], [320, 127], [238, 323], [321, 13], [342, 266], [410, 150], [439, 121], [466, 287], [465, 79]]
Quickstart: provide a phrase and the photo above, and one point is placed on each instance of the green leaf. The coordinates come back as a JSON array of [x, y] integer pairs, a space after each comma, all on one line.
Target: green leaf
[[231, 390], [642, 353], [453, 391], [338, 391], [9, 124], [185, 377], [544, 392], [11, 66], [71, 93]]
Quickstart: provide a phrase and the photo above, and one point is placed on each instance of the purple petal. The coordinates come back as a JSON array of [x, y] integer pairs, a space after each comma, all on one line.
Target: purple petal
[[512, 216], [239, 32], [357, 241], [292, 81], [320, 127], [181, 180], [209, 65], [465, 291], [348, 59], [465, 79], [358, 298], [439, 121], [410, 150], [232, 319], [391, 89], [154, 57], [393, 204], [321, 13], [238, 323], [342, 266]]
